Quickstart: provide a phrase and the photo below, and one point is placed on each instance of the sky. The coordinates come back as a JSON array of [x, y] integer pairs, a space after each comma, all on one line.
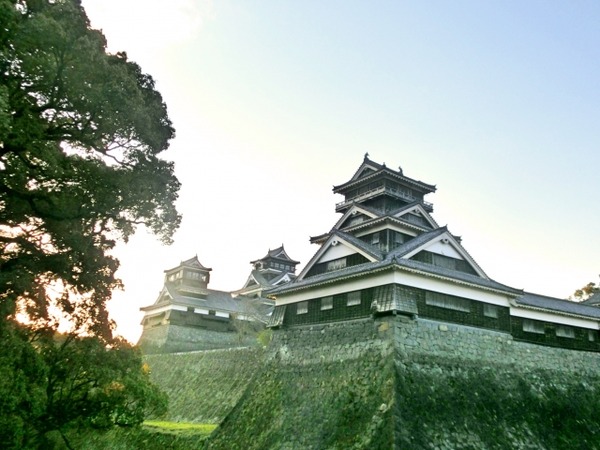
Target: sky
[[274, 102]]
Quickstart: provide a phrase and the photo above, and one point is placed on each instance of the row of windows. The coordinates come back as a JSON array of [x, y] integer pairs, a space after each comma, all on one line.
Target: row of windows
[[462, 305], [413, 218], [337, 264], [352, 299], [447, 301], [281, 266], [187, 274], [564, 331], [386, 240], [275, 265], [444, 261], [492, 311]]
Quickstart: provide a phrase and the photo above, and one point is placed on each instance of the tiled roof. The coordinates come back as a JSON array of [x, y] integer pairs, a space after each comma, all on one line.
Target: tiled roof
[[416, 242], [192, 262], [457, 276], [211, 300], [422, 239], [367, 248], [594, 300], [367, 163], [278, 278], [389, 264], [260, 279], [387, 218], [276, 318], [558, 305], [330, 277], [381, 217], [403, 208], [380, 168], [390, 298], [278, 253]]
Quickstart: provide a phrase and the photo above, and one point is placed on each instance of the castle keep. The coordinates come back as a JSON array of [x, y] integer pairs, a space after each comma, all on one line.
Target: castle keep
[[386, 255]]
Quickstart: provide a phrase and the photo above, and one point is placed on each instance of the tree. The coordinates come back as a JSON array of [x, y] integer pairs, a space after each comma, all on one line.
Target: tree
[[66, 381], [585, 292], [81, 137]]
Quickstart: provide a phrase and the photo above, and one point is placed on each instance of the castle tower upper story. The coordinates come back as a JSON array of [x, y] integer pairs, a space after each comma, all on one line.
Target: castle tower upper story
[[190, 273], [274, 263], [376, 186]]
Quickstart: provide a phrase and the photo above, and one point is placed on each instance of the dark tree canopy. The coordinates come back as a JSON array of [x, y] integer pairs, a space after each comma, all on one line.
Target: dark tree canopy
[[81, 136], [81, 132]]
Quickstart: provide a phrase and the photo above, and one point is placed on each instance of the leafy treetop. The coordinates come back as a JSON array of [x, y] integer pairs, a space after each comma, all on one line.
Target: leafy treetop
[[81, 132], [585, 292]]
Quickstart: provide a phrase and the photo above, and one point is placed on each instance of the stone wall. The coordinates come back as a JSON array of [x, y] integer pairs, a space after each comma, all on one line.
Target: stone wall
[[395, 382], [204, 386], [172, 338], [438, 339], [387, 383], [321, 386], [464, 387]]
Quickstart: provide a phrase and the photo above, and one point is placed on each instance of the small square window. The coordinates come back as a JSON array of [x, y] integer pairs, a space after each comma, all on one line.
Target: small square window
[[533, 326], [302, 308], [490, 310], [565, 331], [336, 264], [353, 298], [326, 303], [592, 335], [375, 239]]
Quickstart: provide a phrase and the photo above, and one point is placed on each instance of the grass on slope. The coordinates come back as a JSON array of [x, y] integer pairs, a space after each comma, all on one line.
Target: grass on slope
[[180, 427]]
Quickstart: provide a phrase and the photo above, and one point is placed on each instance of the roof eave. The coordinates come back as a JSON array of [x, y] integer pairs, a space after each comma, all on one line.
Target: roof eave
[[425, 186], [393, 266], [554, 311]]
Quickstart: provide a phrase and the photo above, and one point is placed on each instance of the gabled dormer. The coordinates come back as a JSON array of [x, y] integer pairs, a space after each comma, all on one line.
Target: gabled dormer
[[381, 188], [442, 250], [190, 273], [340, 250], [416, 214], [356, 215]]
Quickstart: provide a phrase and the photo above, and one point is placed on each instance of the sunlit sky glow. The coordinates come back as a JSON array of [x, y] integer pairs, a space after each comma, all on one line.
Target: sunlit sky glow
[[497, 103]]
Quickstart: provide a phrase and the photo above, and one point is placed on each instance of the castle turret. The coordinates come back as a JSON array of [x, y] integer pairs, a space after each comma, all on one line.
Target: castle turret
[[274, 269], [187, 315]]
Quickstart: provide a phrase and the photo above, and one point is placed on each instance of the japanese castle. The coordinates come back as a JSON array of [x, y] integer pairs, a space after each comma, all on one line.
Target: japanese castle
[[385, 255]]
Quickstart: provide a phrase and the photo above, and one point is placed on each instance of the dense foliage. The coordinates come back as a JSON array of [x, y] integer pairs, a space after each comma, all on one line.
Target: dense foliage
[[61, 382], [81, 132]]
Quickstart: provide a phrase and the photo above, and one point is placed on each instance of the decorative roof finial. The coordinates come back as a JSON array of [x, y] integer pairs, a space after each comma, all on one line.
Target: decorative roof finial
[[366, 155], [400, 169]]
